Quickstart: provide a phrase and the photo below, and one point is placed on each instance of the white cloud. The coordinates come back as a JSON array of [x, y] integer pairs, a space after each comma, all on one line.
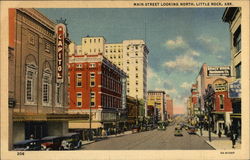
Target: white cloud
[[183, 63], [177, 43], [193, 52], [186, 85], [212, 44]]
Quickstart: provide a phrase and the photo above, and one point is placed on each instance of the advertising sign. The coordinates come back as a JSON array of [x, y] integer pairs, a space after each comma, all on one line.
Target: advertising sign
[[235, 89], [60, 30], [219, 71]]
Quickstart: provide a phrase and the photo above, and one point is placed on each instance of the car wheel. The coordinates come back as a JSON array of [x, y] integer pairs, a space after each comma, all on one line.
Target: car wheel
[[48, 149]]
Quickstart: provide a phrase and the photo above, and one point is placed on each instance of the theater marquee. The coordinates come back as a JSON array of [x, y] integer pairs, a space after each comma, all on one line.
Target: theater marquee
[[60, 31]]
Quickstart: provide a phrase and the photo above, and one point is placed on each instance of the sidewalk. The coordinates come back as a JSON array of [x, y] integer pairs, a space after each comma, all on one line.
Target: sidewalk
[[218, 143], [99, 138]]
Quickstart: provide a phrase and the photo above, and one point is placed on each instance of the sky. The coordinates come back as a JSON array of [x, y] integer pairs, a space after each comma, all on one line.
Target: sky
[[179, 40]]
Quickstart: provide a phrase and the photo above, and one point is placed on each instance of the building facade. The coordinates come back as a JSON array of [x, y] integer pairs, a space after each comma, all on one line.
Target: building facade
[[131, 56], [232, 15], [157, 100], [169, 107], [38, 51], [98, 88]]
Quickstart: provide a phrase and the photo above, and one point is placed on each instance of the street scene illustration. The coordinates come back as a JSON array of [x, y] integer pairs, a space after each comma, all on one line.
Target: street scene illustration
[[124, 79]]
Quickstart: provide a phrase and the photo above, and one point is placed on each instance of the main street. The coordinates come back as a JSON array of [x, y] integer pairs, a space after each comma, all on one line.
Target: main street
[[151, 140]]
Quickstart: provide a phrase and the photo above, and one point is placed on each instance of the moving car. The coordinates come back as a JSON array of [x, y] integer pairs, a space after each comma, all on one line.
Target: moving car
[[191, 130], [178, 131], [28, 145], [162, 125], [51, 143], [71, 141]]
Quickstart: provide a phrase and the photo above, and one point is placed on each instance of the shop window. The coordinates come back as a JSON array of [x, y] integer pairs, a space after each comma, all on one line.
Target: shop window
[[79, 99], [78, 79], [238, 70]]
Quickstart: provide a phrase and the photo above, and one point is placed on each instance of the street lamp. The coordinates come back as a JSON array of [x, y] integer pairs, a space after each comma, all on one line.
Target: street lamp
[[90, 117]]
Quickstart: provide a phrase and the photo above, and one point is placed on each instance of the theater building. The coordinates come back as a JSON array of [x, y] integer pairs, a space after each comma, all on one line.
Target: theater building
[[38, 95], [97, 87]]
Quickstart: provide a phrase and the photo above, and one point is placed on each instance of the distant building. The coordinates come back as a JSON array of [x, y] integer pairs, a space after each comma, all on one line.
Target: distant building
[[169, 107], [157, 100], [232, 15], [96, 85]]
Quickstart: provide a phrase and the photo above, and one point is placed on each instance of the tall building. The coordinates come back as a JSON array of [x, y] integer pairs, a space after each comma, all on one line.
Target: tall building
[[232, 15], [157, 100], [38, 92], [98, 88], [169, 107], [131, 56]]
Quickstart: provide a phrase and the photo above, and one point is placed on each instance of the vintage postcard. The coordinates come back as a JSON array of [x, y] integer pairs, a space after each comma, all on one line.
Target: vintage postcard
[[124, 80]]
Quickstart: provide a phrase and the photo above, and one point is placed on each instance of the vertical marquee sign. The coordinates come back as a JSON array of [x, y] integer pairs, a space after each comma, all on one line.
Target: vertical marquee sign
[[60, 32]]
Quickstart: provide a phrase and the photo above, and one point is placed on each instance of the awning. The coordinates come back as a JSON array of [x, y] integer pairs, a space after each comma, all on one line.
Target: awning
[[20, 117], [218, 112], [235, 115]]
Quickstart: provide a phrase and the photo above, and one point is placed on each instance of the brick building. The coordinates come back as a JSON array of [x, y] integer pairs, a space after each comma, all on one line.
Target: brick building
[[169, 106], [96, 87]]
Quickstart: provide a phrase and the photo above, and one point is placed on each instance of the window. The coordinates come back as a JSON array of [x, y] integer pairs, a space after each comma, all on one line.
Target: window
[[92, 99], [136, 61], [136, 68], [136, 75], [90, 41], [92, 79], [78, 65], [221, 99], [127, 61], [94, 40], [79, 79], [136, 53], [30, 86], [136, 82], [46, 87], [237, 39], [136, 47], [127, 68], [79, 99], [47, 47], [92, 65], [99, 40], [238, 70]]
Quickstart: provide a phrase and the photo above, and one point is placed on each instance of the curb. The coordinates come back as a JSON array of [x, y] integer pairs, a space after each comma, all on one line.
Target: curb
[[206, 141]]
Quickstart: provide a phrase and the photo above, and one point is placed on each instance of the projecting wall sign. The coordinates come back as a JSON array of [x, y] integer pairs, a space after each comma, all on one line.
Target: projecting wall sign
[[60, 31], [219, 71]]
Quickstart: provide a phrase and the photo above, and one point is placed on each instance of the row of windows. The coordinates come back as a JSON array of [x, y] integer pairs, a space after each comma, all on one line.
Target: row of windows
[[95, 50], [112, 84], [31, 89], [136, 61], [113, 50], [110, 102], [136, 54], [79, 99], [79, 79], [92, 40]]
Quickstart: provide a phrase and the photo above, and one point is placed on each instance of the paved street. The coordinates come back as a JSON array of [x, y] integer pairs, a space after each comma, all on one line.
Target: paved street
[[151, 140]]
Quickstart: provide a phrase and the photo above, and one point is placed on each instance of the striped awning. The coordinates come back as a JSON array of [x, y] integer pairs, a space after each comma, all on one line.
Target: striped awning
[[235, 115]]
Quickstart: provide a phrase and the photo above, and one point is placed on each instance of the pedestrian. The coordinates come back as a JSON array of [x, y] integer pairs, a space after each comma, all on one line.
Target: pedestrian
[[219, 134], [233, 138]]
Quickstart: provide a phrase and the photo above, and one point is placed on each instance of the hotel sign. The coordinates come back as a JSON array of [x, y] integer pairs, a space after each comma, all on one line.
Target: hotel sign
[[60, 31], [219, 71]]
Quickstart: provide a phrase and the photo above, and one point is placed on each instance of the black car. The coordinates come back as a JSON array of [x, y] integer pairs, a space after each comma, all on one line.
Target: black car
[[71, 141], [28, 145], [51, 143]]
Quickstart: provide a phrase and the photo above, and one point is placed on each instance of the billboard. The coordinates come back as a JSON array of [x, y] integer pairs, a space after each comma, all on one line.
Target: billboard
[[219, 71]]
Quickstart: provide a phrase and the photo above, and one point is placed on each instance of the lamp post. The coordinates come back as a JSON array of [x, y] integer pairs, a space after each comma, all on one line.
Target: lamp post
[[90, 117], [209, 100]]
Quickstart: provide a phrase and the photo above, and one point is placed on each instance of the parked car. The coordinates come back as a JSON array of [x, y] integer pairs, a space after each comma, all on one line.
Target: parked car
[[52, 143], [178, 131], [28, 145], [191, 130], [71, 141]]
